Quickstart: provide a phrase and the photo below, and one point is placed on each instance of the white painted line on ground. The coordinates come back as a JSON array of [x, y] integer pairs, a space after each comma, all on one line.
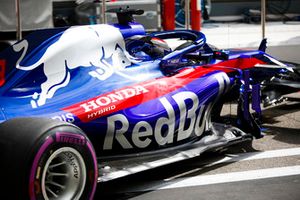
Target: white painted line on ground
[[259, 155], [244, 157], [235, 177]]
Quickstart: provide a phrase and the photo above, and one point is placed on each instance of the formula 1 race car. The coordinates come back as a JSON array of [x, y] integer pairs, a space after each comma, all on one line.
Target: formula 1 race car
[[93, 103]]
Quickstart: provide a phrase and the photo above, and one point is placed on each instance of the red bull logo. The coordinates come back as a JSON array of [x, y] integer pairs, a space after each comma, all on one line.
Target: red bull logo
[[144, 133], [100, 46]]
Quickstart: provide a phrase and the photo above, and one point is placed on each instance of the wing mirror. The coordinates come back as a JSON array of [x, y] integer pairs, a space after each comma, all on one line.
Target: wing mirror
[[221, 55]]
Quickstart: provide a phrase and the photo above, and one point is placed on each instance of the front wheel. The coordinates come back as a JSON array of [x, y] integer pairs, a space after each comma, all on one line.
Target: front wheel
[[46, 159]]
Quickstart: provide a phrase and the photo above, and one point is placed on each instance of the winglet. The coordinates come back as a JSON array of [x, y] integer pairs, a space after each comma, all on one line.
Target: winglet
[[263, 45]]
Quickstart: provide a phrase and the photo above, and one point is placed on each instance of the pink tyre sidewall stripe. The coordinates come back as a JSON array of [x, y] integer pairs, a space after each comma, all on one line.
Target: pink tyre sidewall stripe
[[49, 140]]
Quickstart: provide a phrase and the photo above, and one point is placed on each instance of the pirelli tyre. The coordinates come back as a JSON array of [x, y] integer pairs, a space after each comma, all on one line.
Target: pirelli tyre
[[46, 159]]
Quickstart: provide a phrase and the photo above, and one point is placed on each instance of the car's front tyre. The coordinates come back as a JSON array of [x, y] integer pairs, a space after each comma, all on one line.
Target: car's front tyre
[[46, 159]]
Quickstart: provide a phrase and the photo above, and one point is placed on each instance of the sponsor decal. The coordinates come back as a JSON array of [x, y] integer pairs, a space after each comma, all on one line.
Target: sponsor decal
[[184, 112], [131, 96], [100, 46], [108, 103], [68, 117], [194, 117], [70, 138], [191, 121], [70, 160]]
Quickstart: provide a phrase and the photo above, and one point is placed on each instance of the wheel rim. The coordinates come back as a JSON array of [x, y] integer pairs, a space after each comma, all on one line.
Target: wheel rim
[[64, 175]]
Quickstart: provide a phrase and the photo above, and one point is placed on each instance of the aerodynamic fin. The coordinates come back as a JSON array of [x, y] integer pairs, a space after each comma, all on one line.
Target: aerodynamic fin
[[263, 45]]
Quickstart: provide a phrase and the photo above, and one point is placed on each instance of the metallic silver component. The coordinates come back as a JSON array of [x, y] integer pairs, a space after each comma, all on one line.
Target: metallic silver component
[[19, 31], [267, 102], [64, 175], [103, 11], [187, 14], [263, 17]]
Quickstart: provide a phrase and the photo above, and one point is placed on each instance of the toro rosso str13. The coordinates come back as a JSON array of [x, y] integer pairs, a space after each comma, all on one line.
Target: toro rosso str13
[[88, 104]]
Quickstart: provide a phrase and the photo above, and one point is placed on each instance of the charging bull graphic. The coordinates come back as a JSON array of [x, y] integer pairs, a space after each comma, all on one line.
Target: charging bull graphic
[[101, 46]]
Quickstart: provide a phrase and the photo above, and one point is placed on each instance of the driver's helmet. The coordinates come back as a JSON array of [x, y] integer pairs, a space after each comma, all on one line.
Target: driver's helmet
[[159, 47], [147, 47]]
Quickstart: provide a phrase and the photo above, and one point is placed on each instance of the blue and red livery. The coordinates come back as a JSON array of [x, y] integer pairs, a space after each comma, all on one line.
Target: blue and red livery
[[87, 98]]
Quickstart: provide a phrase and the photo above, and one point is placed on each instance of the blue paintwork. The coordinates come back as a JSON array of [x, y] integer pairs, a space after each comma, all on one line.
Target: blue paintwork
[[18, 92]]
